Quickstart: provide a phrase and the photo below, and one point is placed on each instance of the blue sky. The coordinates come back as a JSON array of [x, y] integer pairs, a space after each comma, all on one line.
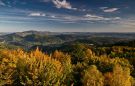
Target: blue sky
[[67, 15]]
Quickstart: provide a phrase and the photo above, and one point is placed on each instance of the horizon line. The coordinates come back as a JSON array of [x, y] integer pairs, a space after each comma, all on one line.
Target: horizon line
[[66, 31]]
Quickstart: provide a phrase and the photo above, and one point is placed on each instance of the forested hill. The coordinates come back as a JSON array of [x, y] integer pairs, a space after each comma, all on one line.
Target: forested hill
[[28, 39]]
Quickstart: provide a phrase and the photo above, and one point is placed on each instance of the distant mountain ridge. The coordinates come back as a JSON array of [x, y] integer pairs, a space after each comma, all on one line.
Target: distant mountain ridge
[[4, 33], [31, 38], [25, 33], [98, 34]]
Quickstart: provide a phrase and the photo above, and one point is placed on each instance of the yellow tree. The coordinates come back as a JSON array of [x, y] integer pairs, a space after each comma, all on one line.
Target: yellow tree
[[121, 76], [93, 77], [65, 60]]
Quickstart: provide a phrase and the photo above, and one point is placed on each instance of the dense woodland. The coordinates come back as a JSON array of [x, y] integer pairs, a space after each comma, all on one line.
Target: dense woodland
[[77, 63], [81, 66]]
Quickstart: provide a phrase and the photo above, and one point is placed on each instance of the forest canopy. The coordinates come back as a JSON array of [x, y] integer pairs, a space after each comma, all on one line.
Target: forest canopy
[[80, 67]]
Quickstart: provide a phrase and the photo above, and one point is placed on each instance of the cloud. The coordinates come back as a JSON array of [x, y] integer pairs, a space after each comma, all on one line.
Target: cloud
[[91, 17], [109, 10], [94, 17], [117, 18], [63, 4], [88, 18], [2, 3], [128, 23], [53, 16], [83, 10], [46, 0], [103, 8], [37, 14]]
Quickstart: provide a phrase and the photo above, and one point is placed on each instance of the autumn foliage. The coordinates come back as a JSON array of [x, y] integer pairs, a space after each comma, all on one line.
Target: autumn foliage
[[35, 68]]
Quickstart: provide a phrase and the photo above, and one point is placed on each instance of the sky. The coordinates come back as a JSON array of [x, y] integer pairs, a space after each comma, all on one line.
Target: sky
[[67, 15]]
